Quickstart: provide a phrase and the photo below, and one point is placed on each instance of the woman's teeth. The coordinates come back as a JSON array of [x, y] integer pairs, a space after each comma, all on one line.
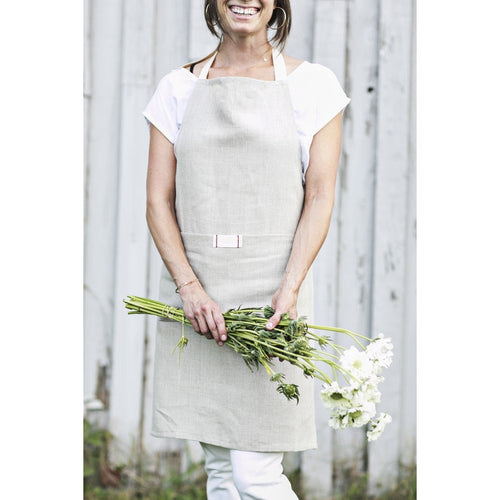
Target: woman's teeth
[[250, 11]]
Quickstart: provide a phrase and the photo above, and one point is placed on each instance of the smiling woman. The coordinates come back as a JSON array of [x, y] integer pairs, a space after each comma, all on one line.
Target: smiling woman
[[244, 149], [274, 15]]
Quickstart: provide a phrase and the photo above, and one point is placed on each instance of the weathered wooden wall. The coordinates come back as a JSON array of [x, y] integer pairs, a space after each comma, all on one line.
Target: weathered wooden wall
[[365, 273]]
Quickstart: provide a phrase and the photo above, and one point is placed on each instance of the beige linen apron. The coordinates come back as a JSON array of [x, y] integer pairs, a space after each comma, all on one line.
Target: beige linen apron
[[239, 197]]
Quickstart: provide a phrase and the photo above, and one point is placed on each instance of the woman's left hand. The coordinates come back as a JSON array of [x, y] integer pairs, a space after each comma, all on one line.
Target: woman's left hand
[[283, 301]]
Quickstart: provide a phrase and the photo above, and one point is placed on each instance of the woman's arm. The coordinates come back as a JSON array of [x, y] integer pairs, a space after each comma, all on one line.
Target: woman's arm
[[203, 313], [314, 222]]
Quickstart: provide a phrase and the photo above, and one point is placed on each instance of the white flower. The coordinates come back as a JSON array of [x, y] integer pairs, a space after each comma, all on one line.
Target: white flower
[[355, 404], [334, 396], [379, 426], [336, 421], [339, 418], [358, 364], [379, 351], [362, 414], [366, 393], [357, 416]]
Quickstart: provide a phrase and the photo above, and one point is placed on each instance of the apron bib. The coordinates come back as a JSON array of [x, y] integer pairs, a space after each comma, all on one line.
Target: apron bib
[[239, 197]]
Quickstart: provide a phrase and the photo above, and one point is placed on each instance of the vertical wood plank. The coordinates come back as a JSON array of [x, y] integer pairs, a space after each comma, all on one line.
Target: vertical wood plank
[[391, 222], [132, 242], [87, 63], [328, 49], [102, 91], [408, 406], [90, 340], [353, 279], [172, 36], [330, 36], [300, 41]]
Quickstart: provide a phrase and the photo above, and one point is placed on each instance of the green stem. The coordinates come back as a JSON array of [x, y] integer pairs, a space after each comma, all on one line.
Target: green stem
[[320, 339], [338, 330]]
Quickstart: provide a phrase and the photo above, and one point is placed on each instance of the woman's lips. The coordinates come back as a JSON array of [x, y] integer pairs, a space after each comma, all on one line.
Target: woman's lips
[[240, 10]]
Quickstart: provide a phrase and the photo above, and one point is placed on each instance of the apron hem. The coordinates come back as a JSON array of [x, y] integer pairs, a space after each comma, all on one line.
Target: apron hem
[[242, 447]]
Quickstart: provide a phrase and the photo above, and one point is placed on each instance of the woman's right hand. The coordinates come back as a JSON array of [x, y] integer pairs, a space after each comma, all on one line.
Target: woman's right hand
[[203, 313]]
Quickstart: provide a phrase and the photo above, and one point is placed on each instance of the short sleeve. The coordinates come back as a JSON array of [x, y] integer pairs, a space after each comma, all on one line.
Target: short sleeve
[[330, 98], [161, 111], [317, 97]]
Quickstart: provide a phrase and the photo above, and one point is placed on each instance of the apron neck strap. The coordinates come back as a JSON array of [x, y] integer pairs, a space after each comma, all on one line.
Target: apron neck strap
[[208, 65], [278, 62], [279, 66]]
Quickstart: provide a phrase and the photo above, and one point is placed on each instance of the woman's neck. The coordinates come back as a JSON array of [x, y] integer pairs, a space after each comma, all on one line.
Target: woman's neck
[[244, 53]]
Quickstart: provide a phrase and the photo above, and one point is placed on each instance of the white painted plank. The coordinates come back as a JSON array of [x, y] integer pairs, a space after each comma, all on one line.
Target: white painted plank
[[132, 242], [408, 429], [172, 36], [329, 50], [300, 41], [390, 222], [330, 36], [102, 90], [354, 291], [87, 54]]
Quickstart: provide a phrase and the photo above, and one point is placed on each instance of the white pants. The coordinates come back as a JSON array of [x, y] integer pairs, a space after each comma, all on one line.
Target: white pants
[[245, 475]]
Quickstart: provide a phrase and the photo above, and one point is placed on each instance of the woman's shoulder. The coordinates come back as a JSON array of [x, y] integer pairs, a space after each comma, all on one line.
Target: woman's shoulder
[[176, 84], [176, 76]]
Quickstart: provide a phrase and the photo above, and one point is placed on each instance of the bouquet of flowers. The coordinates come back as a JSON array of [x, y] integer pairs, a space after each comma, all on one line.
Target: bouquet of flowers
[[351, 400]]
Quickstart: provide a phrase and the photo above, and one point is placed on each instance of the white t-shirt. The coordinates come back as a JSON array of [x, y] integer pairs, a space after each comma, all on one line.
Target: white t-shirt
[[315, 92]]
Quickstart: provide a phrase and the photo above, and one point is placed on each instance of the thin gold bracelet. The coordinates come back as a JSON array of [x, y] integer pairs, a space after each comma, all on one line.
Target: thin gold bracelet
[[186, 284]]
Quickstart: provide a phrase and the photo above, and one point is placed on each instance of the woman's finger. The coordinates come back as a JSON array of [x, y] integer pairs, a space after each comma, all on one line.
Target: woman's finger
[[220, 326], [273, 320], [194, 324], [212, 327], [204, 330]]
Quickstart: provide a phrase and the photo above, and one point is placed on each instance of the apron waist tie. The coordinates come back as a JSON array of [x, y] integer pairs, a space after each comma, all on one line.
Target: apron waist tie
[[219, 240]]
